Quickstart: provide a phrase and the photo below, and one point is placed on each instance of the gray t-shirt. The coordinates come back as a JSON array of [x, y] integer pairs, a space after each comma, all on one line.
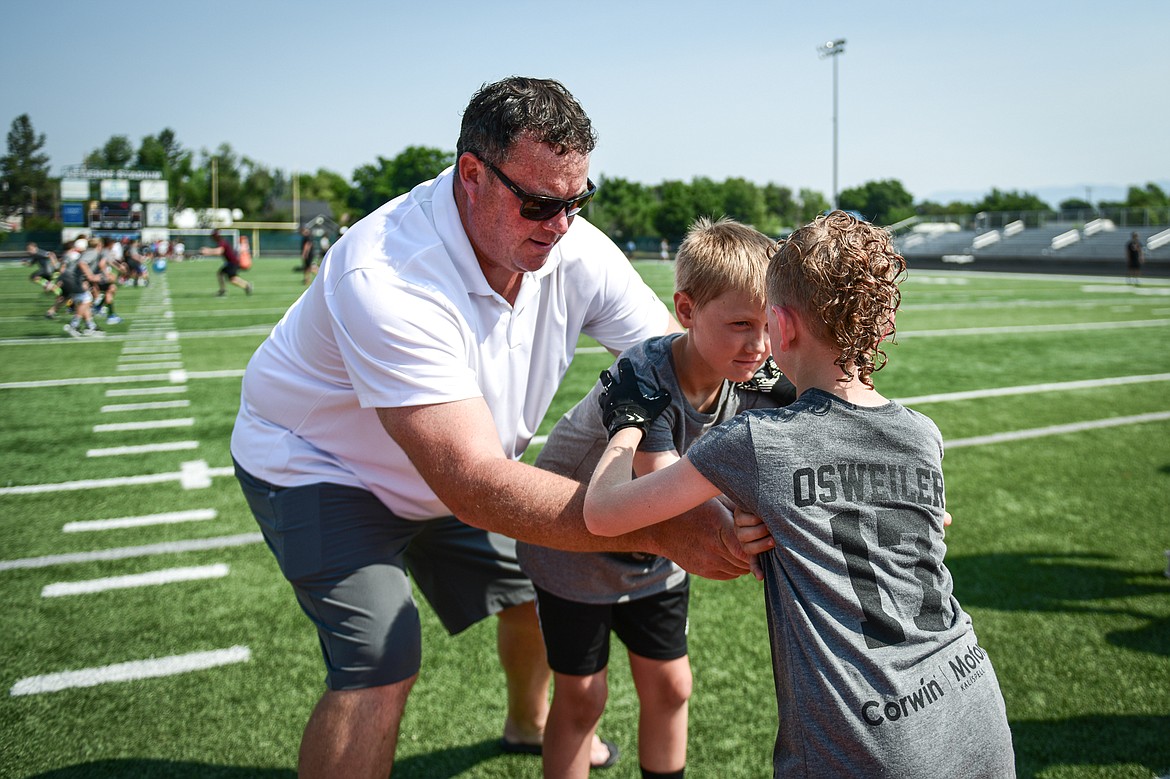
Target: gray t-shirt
[[573, 448], [877, 669]]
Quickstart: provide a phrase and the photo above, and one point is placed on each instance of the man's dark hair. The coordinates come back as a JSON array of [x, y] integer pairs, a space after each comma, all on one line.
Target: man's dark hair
[[500, 113]]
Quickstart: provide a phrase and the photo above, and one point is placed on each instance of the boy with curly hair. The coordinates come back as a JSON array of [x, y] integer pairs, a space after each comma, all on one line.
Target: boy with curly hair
[[876, 665]]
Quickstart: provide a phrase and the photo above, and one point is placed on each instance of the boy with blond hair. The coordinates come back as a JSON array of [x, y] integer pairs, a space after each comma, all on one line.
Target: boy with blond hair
[[876, 665], [581, 597]]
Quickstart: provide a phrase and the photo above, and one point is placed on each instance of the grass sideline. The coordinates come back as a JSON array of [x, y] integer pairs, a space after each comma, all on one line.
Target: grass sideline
[[1056, 550]]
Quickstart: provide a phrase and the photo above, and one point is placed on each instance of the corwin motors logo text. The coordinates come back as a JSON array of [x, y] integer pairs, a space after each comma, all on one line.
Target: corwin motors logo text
[[968, 667], [965, 669], [877, 712]]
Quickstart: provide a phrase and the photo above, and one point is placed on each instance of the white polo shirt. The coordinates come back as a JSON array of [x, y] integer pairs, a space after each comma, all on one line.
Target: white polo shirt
[[400, 315]]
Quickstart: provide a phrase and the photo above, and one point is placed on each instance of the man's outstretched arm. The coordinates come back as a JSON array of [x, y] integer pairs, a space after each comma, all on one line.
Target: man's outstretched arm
[[456, 449]]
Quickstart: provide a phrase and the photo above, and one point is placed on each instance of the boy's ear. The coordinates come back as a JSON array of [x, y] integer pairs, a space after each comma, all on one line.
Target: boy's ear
[[785, 335], [684, 309]]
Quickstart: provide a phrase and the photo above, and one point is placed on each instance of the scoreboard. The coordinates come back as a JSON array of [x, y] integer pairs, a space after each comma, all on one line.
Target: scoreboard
[[115, 215], [123, 201]]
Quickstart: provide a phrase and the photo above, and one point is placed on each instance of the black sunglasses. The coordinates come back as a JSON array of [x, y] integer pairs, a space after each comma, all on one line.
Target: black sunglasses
[[540, 208]]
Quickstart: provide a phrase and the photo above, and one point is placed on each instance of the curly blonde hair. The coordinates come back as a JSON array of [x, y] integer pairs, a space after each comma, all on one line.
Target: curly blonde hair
[[843, 275]]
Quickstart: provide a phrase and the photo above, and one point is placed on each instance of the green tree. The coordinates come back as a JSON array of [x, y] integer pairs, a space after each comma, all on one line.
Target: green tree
[[416, 164], [24, 171], [782, 208], [744, 201], [372, 186], [811, 204], [256, 186], [954, 208], [675, 210], [998, 200], [332, 188], [116, 153], [1150, 196], [164, 152], [226, 177], [881, 202], [623, 209], [215, 181], [376, 183], [706, 199]]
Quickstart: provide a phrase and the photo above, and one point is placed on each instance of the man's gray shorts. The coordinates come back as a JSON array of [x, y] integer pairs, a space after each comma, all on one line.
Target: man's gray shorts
[[347, 555]]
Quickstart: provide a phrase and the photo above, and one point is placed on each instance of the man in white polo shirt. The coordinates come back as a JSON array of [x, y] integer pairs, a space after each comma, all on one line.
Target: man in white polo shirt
[[399, 392]]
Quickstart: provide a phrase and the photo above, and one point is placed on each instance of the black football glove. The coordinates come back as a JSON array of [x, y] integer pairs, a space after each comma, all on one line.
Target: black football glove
[[623, 403], [770, 381]]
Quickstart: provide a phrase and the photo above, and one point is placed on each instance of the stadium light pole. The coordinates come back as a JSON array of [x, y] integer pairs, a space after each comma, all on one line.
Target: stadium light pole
[[214, 184], [296, 189], [832, 49]]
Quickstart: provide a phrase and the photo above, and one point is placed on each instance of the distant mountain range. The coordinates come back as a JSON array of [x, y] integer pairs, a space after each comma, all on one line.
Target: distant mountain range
[[1054, 196]]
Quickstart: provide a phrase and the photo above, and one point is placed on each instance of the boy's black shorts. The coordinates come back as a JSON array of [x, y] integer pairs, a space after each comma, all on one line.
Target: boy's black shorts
[[576, 635]]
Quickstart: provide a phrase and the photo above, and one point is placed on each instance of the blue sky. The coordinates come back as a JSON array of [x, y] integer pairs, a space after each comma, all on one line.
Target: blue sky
[[1056, 98]]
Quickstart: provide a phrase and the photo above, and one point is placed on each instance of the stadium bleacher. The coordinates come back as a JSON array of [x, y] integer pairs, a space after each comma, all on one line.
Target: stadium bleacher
[[1096, 247]]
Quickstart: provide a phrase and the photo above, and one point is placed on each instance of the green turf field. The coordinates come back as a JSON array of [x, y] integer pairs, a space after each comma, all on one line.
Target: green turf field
[[1053, 394]]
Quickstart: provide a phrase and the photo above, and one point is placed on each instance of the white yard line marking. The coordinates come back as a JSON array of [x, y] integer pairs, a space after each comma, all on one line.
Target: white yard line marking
[[955, 305], [147, 520], [126, 552], [983, 274], [1024, 329], [118, 451], [226, 374], [937, 280], [226, 332], [1040, 432], [1132, 290], [130, 359], [131, 581], [86, 380], [162, 348], [129, 393], [153, 366], [144, 406], [948, 397], [194, 475], [150, 424], [130, 671], [116, 481], [174, 377]]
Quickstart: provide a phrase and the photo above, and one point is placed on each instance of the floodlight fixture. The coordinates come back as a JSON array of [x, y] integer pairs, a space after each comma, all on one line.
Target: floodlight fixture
[[832, 49]]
